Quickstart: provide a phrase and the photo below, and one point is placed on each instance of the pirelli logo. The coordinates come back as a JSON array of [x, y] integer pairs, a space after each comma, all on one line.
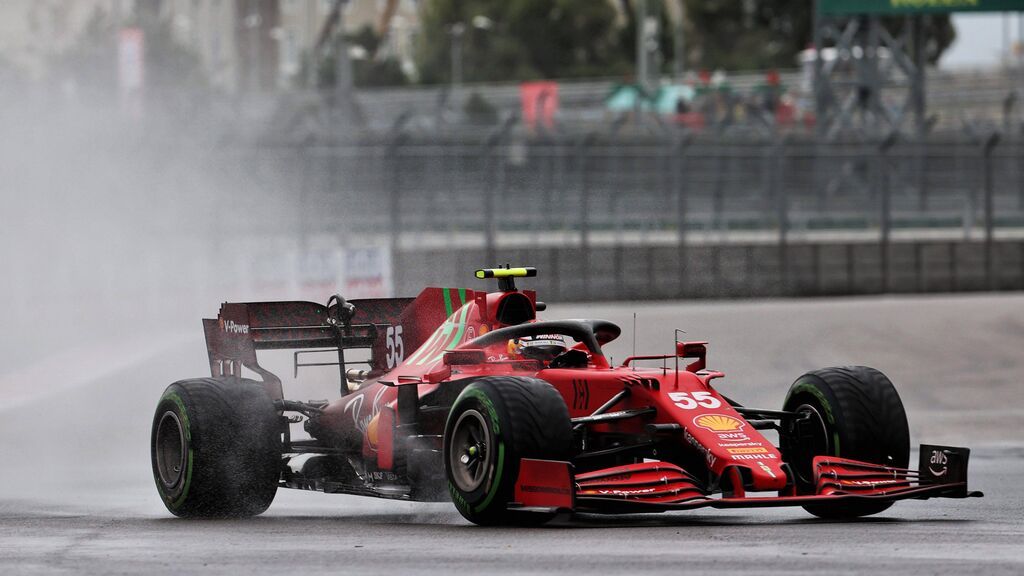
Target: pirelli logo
[[756, 450]]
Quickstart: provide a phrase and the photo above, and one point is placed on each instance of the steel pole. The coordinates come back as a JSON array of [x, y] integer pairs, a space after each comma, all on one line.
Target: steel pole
[[820, 101], [782, 214], [679, 195], [457, 31], [885, 206], [344, 64], [989, 200], [680, 43], [641, 44], [313, 62], [582, 163]]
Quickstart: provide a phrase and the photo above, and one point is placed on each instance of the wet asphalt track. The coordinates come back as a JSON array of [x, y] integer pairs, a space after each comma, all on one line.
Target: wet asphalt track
[[76, 493]]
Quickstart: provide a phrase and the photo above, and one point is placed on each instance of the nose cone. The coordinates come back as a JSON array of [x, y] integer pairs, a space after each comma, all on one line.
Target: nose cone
[[766, 475]]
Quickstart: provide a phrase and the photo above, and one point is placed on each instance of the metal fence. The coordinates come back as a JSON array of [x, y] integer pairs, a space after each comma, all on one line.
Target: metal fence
[[506, 190]]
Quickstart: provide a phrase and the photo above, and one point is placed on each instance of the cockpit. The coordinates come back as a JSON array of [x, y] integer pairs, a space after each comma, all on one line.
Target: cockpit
[[590, 334]]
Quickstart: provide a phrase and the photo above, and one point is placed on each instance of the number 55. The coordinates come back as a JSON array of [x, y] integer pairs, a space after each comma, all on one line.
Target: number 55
[[393, 342], [683, 400]]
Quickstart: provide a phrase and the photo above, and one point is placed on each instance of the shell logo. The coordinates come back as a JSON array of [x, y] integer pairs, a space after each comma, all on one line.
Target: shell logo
[[719, 423]]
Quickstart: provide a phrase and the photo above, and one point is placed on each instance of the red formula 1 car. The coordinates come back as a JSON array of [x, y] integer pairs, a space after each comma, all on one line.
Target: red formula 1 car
[[466, 395]]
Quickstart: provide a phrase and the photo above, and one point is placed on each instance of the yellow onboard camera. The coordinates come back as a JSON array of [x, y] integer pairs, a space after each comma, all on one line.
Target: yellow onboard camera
[[523, 272], [506, 276]]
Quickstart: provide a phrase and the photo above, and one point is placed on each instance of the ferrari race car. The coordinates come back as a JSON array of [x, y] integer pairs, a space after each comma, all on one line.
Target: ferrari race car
[[467, 396]]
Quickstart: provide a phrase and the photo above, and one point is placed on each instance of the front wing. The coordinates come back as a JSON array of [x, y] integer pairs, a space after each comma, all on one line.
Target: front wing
[[660, 486]]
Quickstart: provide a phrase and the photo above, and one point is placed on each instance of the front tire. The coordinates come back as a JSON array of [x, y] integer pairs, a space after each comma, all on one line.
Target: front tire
[[216, 448], [853, 412], [494, 423]]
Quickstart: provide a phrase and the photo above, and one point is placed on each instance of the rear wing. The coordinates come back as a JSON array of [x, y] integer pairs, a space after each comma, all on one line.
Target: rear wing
[[241, 329]]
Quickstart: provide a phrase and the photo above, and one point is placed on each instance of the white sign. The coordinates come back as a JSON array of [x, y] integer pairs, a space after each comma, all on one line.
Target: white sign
[[130, 59], [367, 272]]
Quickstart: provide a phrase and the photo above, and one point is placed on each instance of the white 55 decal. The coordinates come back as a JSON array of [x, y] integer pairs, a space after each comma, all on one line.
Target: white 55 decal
[[393, 342], [691, 400]]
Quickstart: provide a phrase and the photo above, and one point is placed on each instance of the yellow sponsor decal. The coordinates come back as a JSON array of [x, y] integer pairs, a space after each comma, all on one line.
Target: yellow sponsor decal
[[719, 423], [761, 450]]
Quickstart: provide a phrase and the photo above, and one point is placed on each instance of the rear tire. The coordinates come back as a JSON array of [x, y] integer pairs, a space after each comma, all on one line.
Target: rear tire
[[216, 448], [855, 413], [494, 423]]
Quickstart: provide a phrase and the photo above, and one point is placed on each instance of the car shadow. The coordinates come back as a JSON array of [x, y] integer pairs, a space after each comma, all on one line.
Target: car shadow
[[680, 520], [435, 519]]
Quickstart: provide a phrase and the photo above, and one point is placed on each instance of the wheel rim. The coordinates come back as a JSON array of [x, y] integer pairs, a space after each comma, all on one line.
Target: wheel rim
[[469, 454], [170, 449], [810, 439]]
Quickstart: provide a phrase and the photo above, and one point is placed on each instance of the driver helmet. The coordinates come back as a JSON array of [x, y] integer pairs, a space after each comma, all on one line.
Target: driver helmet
[[542, 347]]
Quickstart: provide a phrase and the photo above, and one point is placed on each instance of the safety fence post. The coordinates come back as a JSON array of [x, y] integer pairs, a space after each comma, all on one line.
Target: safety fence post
[[494, 157], [921, 174], [1018, 166], [495, 166], [678, 192], [778, 189], [395, 138], [989, 206], [305, 192], [582, 163], [1019, 171], [885, 205]]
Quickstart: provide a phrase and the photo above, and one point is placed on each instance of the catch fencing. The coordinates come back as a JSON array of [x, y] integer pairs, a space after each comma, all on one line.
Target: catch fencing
[[667, 215]]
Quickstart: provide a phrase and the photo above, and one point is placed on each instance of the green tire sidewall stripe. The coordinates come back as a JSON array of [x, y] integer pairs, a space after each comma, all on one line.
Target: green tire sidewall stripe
[[809, 388], [488, 405], [497, 479], [173, 397], [494, 488]]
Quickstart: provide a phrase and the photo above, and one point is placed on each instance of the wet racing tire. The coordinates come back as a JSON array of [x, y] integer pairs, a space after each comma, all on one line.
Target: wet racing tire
[[216, 448], [853, 412], [493, 423]]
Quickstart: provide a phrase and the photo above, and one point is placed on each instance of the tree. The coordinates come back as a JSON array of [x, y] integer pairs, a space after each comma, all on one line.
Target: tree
[[527, 39], [736, 35], [369, 69], [575, 38], [91, 62]]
